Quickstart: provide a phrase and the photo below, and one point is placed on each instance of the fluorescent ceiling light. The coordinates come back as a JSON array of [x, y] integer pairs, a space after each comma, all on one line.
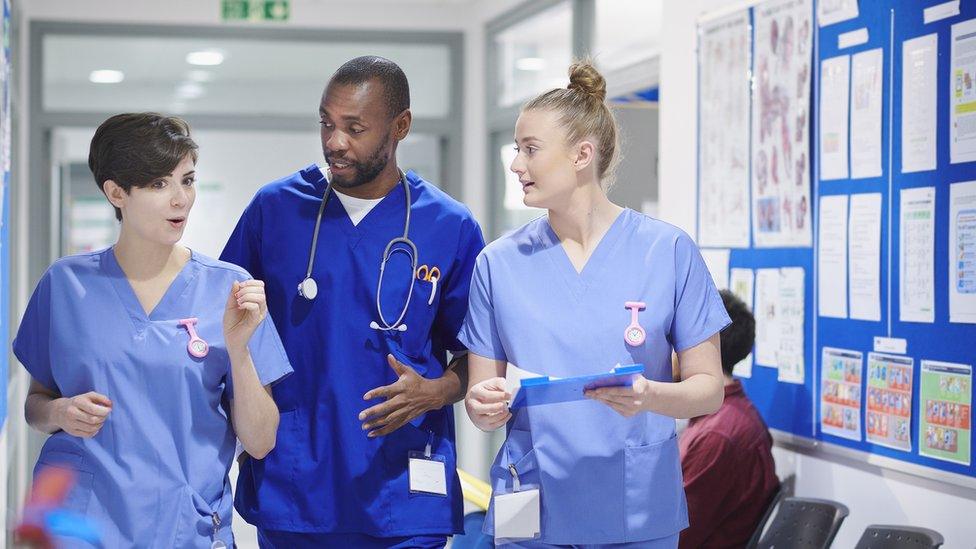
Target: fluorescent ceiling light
[[530, 64], [205, 58], [106, 76]]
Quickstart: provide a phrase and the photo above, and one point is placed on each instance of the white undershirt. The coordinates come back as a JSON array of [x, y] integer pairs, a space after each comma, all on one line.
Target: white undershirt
[[356, 208]]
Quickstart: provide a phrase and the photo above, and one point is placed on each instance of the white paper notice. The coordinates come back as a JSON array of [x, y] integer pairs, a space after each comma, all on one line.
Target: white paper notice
[[962, 93], [741, 283], [864, 249], [717, 262], [916, 259], [832, 256], [781, 124], [834, 84], [789, 358], [767, 317], [835, 11], [918, 103], [866, 79], [725, 50], [962, 252]]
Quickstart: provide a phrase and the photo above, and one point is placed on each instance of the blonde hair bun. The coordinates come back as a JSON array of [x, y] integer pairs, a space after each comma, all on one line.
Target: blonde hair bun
[[584, 77]]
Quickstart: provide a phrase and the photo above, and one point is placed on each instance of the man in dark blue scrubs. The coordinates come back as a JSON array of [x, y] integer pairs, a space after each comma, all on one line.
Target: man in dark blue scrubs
[[368, 297]]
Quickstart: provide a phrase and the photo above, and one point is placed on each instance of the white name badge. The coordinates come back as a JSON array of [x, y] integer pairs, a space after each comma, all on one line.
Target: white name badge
[[428, 474], [517, 516]]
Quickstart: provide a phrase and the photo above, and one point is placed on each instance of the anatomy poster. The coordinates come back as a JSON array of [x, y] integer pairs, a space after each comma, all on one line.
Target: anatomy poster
[[723, 149], [781, 124]]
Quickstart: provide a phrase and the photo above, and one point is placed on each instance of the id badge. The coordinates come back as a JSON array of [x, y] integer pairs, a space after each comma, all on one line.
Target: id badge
[[427, 472], [517, 515]]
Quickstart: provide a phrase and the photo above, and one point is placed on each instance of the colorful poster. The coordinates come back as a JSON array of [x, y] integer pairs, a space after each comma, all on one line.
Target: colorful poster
[[962, 93], [946, 411], [781, 124], [889, 411], [962, 252], [724, 52], [840, 393]]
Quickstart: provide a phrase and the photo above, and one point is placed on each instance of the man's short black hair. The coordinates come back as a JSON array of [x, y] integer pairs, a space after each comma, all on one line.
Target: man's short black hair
[[740, 336], [389, 74], [135, 149]]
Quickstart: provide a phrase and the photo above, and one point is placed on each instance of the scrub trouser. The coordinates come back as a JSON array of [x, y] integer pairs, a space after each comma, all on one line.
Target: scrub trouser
[[670, 542], [278, 539]]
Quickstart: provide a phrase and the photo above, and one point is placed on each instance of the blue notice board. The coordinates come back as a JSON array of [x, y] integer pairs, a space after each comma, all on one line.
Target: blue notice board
[[797, 408]]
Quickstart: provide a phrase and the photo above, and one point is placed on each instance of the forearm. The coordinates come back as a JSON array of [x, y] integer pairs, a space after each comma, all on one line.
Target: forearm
[[453, 384], [253, 411], [699, 394], [42, 413]]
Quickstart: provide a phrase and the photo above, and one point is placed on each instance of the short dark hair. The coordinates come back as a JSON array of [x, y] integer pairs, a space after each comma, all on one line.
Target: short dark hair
[[740, 336], [134, 149], [396, 89]]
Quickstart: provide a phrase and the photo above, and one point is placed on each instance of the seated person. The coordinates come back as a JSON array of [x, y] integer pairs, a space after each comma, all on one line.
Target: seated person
[[726, 457]]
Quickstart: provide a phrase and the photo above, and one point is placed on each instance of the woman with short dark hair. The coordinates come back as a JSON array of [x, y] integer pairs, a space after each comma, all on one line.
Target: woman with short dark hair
[[147, 358]]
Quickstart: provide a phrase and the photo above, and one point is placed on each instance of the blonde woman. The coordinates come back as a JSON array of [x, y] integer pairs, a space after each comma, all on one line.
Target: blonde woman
[[564, 295]]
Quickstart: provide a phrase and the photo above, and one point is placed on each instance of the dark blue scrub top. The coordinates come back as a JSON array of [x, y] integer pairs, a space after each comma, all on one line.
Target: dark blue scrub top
[[324, 474]]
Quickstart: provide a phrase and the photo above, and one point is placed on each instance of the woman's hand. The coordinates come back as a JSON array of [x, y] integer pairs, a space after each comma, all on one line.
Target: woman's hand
[[487, 404], [246, 308], [628, 400], [83, 415]]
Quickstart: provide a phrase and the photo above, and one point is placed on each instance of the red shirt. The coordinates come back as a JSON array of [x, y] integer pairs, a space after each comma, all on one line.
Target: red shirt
[[729, 474]]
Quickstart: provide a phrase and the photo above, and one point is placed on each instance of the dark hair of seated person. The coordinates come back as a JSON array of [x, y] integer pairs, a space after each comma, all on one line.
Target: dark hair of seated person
[[739, 337]]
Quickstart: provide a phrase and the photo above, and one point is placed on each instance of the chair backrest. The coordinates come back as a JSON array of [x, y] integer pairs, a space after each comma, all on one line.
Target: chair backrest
[[777, 496], [804, 522], [879, 536]]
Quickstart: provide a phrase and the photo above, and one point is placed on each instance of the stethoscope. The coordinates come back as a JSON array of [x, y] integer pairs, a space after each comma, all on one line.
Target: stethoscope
[[308, 288]]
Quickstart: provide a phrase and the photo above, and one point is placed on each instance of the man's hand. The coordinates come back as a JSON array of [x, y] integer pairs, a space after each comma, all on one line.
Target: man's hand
[[407, 398]]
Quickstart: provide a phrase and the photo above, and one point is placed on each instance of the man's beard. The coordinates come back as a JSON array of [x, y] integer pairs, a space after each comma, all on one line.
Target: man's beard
[[363, 172]]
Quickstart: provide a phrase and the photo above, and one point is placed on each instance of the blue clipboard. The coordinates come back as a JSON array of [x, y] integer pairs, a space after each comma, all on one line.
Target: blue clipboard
[[536, 391]]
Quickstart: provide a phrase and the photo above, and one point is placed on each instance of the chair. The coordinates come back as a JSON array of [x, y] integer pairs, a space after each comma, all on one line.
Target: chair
[[804, 522], [877, 536], [777, 496]]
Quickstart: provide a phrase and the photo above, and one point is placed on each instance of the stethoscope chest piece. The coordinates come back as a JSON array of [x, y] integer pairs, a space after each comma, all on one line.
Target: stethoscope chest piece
[[308, 288]]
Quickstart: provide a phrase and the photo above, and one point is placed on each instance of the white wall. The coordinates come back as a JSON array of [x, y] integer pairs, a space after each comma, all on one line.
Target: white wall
[[873, 494]]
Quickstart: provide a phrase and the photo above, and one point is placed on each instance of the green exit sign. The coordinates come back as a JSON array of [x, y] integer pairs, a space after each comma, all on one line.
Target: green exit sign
[[254, 10]]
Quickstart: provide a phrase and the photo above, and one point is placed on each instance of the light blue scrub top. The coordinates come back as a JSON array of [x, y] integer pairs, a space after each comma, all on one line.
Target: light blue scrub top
[[325, 476], [603, 478], [157, 471]]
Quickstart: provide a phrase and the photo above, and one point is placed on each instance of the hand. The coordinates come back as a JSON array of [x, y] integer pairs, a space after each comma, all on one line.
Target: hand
[[83, 415], [246, 308], [487, 404], [627, 401], [407, 398]]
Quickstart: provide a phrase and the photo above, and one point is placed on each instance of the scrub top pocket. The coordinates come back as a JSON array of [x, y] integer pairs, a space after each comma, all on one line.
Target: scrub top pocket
[[80, 494], [661, 502]]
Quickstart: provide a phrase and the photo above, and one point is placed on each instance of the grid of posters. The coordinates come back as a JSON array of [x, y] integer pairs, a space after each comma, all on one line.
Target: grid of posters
[[723, 148], [945, 411], [889, 397], [840, 393], [781, 124]]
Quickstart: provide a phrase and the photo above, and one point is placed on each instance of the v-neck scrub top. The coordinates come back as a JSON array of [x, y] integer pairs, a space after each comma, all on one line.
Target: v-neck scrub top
[[156, 472], [603, 478]]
